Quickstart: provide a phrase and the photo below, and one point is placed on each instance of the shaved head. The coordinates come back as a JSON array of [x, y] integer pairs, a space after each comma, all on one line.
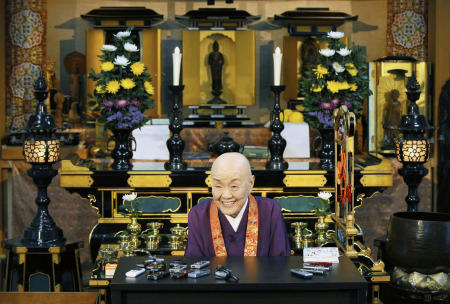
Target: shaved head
[[232, 161], [232, 182]]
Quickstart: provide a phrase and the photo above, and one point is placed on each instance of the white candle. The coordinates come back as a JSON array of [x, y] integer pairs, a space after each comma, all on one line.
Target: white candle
[[176, 59], [277, 66]]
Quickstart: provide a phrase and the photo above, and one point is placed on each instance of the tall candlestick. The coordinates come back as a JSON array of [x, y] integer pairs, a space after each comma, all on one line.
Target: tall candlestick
[[277, 66], [176, 58]]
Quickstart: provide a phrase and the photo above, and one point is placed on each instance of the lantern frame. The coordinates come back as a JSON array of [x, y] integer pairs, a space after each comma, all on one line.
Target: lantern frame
[[42, 149], [413, 149]]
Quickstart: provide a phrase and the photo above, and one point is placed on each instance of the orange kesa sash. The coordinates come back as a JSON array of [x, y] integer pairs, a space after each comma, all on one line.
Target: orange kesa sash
[[251, 235]]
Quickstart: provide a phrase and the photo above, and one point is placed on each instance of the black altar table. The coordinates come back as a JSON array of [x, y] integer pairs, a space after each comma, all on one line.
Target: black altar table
[[261, 280]]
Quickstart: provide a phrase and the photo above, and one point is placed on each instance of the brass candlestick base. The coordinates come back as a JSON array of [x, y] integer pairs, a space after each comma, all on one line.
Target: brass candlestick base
[[307, 241], [298, 235], [176, 242], [152, 241], [321, 229]]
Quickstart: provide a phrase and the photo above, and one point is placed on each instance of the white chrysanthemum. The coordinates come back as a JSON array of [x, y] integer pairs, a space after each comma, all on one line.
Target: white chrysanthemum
[[109, 48], [324, 195], [344, 52], [327, 52], [130, 47], [338, 68], [123, 34], [335, 35], [130, 197], [121, 60]]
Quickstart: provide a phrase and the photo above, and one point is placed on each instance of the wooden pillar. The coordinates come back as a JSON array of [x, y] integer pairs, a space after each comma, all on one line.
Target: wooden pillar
[[2, 68]]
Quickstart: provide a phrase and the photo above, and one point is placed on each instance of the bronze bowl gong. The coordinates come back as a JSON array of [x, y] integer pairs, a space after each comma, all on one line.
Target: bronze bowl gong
[[419, 241]]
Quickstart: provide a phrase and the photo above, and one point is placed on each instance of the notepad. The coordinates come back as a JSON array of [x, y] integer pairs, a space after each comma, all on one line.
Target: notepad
[[321, 254]]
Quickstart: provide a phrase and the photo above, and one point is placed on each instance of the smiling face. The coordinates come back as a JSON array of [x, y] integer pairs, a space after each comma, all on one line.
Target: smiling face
[[232, 182]]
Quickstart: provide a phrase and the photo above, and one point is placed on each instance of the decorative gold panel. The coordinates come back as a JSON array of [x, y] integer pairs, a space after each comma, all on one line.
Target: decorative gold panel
[[98, 282], [305, 180], [74, 181], [110, 22], [67, 167], [179, 218], [135, 22], [377, 180], [149, 181]]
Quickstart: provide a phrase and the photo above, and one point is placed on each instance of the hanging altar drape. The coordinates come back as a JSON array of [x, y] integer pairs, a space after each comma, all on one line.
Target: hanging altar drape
[[407, 28], [25, 56]]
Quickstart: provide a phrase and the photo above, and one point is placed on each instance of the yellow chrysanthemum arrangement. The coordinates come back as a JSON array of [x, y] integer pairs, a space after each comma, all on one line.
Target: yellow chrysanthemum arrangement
[[339, 78], [123, 85]]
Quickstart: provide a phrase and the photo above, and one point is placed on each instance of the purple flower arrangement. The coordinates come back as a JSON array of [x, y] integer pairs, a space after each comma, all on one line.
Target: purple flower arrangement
[[325, 118], [129, 115]]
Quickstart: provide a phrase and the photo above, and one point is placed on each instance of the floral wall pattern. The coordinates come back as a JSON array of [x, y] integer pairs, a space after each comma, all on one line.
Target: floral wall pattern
[[407, 28], [25, 56]]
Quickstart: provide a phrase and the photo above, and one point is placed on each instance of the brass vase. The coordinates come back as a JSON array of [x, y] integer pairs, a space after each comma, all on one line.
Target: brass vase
[[135, 228]]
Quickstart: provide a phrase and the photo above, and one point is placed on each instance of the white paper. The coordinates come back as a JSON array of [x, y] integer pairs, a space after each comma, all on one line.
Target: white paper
[[297, 140], [321, 254], [151, 142]]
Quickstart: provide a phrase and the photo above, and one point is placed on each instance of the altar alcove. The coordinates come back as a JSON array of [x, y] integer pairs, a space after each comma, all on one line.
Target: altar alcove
[[301, 47], [109, 20], [388, 102], [238, 73]]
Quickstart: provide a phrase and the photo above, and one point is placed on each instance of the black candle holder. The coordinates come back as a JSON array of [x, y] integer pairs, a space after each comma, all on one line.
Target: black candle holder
[[175, 144], [277, 143]]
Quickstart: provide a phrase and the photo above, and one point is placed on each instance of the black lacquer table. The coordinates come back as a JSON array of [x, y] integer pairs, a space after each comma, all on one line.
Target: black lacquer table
[[261, 280]]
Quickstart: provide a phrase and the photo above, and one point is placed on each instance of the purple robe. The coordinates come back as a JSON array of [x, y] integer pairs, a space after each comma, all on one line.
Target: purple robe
[[272, 237]]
